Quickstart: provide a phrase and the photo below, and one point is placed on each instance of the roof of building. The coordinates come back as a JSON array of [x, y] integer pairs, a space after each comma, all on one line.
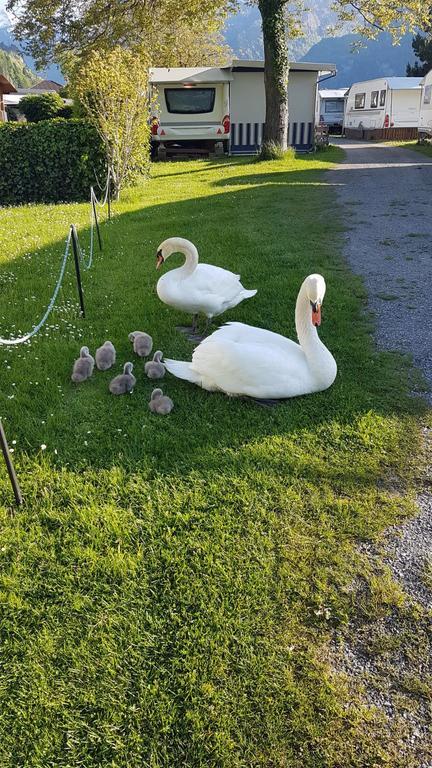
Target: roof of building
[[402, 83], [47, 85], [6, 86], [336, 93], [190, 74], [224, 74]]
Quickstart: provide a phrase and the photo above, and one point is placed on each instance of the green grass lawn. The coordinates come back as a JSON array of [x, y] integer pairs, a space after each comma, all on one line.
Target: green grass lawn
[[169, 587], [424, 149]]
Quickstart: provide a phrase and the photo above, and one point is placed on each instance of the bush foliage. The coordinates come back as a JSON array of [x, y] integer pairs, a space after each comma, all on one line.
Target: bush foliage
[[41, 106], [51, 161]]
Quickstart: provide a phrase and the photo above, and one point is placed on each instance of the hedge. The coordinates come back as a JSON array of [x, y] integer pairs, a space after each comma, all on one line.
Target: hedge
[[50, 161]]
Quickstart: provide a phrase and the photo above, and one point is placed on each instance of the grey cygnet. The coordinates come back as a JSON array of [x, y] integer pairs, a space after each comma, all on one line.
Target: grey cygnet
[[105, 356], [160, 403], [124, 382], [83, 367], [142, 343], [155, 368]]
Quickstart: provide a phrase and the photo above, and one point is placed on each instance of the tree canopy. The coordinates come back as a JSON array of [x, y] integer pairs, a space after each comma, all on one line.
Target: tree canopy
[[50, 28]]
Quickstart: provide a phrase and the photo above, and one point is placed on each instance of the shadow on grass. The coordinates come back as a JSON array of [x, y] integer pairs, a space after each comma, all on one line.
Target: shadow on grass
[[277, 228]]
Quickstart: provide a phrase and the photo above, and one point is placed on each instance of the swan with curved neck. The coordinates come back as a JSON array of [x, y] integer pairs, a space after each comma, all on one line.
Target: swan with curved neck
[[197, 288], [242, 360]]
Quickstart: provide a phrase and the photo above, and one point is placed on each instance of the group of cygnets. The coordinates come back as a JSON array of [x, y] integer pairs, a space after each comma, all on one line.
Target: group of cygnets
[[124, 383]]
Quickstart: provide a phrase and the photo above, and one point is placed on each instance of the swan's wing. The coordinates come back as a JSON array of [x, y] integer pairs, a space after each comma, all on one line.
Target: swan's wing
[[243, 333], [248, 369], [215, 281]]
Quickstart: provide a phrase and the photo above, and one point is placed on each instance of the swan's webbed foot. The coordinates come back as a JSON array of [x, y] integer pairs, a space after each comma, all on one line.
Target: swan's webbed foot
[[197, 337], [265, 402], [188, 330]]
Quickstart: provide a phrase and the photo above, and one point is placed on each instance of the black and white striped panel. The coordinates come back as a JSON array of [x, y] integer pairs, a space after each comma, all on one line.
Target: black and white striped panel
[[247, 137]]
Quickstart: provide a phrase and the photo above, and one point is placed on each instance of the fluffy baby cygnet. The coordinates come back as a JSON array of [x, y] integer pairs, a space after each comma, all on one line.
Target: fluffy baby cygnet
[[83, 367], [160, 403], [155, 368], [142, 343], [124, 382], [105, 356]]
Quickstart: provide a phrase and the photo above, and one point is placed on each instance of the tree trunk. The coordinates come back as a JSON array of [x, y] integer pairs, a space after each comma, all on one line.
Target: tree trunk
[[275, 71]]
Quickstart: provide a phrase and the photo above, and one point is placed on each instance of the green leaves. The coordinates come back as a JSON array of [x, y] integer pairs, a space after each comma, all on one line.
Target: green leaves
[[50, 161]]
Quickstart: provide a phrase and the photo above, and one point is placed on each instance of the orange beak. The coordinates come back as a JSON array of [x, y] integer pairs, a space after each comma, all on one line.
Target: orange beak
[[316, 314], [159, 259]]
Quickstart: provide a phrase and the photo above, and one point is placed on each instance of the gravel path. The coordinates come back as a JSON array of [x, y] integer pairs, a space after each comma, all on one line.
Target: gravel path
[[386, 194]]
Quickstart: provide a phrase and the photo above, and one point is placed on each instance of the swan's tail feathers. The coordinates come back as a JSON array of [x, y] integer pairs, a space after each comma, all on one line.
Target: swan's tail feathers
[[182, 370], [248, 294]]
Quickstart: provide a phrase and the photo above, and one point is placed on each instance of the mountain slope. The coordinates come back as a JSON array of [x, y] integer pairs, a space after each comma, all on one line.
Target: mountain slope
[[15, 69], [378, 58], [7, 43]]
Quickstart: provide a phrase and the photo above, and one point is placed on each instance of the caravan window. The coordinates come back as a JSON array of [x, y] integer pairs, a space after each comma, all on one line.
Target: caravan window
[[382, 98], [359, 100], [334, 105], [190, 101], [374, 99], [427, 94]]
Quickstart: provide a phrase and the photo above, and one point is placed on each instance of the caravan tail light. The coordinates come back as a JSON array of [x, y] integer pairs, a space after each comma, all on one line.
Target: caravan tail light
[[226, 122], [154, 126], [386, 121]]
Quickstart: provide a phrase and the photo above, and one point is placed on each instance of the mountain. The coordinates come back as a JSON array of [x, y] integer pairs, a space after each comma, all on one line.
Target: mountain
[[243, 30], [13, 66], [10, 45], [376, 58]]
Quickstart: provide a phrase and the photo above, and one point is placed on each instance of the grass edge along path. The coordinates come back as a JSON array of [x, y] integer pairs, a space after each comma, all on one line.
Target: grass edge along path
[[168, 590]]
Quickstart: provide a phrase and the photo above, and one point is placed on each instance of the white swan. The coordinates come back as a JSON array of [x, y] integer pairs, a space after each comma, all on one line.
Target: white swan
[[197, 288], [239, 359]]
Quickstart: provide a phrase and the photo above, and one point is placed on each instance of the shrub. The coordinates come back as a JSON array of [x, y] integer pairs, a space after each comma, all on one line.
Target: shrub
[[50, 161], [272, 151], [43, 106]]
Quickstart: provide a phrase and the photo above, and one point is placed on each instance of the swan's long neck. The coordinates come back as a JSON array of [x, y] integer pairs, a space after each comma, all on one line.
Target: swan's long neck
[[191, 259], [321, 362]]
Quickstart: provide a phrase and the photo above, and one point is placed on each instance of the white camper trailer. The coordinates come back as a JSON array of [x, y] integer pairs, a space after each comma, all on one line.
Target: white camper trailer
[[208, 106], [192, 106], [385, 108], [330, 108], [425, 120]]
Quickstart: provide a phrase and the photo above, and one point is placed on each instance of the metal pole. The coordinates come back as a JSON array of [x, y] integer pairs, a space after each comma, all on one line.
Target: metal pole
[[10, 467], [77, 268], [96, 221], [109, 195]]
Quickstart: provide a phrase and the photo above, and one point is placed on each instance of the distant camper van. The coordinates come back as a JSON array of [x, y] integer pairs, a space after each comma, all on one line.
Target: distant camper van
[[383, 108], [331, 108], [425, 121]]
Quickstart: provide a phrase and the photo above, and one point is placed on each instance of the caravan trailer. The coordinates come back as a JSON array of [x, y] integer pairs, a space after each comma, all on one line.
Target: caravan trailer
[[385, 108], [425, 120], [203, 108], [330, 108], [192, 106]]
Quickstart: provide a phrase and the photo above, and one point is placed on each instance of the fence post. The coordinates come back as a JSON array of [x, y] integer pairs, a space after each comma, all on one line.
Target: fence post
[[10, 467], [77, 268], [96, 219], [109, 194]]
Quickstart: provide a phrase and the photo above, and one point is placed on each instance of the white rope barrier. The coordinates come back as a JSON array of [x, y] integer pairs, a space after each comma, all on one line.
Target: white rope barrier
[[36, 328], [106, 191], [86, 264]]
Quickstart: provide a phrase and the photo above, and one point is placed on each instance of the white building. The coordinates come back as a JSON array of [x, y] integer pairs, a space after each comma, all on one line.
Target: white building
[[330, 108], [207, 105], [387, 107], [425, 119]]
